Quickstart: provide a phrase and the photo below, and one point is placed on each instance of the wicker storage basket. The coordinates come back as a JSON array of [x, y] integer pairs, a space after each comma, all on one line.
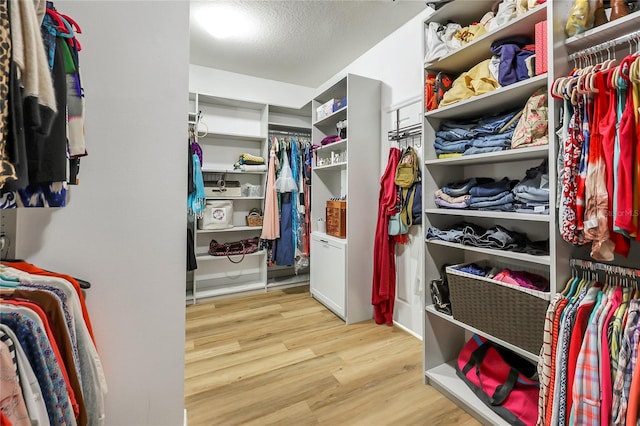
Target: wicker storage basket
[[254, 218], [513, 314]]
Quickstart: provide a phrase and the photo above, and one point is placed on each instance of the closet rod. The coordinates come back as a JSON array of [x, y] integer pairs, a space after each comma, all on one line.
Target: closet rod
[[609, 269], [406, 132], [605, 46], [284, 132]]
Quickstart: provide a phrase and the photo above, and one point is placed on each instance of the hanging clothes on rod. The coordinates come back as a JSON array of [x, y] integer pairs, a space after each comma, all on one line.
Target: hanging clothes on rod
[[600, 193], [591, 330], [291, 158], [45, 324], [42, 119]]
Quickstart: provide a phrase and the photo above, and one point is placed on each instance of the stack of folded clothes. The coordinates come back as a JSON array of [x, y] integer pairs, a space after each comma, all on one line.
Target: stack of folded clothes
[[250, 163], [489, 134], [518, 278], [532, 193], [495, 237], [478, 194]]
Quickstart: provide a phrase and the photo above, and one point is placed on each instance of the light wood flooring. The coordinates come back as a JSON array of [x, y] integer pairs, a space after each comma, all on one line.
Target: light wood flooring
[[283, 358]]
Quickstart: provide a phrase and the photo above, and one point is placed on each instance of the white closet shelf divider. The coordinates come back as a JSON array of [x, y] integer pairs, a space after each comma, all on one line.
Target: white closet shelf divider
[[234, 229], [335, 166], [533, 153], [231, 171], [541, 260], [233, 136], [336, 145], [335, 115], [490, 214], [500, 99]]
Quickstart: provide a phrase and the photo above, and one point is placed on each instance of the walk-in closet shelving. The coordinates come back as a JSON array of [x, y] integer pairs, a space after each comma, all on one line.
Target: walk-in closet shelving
[[341, 267], [444, 335], [227, 128]]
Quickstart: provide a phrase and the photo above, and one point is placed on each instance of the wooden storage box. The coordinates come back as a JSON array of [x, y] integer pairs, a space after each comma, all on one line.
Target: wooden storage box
[[337, 218], [513, 314]]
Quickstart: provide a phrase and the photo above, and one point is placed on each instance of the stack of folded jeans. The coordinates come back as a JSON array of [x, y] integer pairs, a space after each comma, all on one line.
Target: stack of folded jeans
[[477, 194], [532, 193], [495, 237], [488, 134]]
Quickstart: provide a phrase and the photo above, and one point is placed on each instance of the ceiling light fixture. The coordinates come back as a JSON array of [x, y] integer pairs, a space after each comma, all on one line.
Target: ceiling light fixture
[[224, 22]]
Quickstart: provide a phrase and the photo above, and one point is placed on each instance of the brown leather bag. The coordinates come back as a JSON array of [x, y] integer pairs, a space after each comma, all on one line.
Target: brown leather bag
[[236, 248]]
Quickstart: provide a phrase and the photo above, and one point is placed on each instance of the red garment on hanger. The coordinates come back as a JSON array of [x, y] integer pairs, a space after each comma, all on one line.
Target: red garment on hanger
[[627, 138], [384, 260], [605, 123], [33, 269]]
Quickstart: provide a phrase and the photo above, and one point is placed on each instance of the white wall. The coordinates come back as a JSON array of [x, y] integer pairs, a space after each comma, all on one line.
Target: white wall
[[247, 88], [124, 228]]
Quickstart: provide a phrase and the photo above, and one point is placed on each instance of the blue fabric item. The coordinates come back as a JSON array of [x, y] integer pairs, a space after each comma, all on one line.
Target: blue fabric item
[[508, 207], [49, 32], [491, 188], [535, 185], [494, 201], [454, 131], [53, 194], [196, 200], [474, 150], [450, 148], [513, 67], [472, 269], [46, 367], [295, 171], [285, 250], [456, 189]]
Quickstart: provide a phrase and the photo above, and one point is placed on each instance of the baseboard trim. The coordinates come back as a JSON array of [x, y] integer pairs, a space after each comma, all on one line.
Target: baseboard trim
[[411, 332], [186, 422]]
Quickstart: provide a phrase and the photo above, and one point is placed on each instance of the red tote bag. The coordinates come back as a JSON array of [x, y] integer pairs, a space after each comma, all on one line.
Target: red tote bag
[[501, 379]]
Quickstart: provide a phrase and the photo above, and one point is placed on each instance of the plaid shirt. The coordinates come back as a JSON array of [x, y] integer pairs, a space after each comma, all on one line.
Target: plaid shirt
[[568, 320], [586, 385], [626, 364], [544, 361]]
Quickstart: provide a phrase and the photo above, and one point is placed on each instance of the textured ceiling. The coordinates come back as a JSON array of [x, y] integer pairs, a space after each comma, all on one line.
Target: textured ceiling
[[302, 42]]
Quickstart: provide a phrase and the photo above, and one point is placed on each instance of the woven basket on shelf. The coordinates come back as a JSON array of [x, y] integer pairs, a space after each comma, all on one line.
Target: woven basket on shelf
[[254, 218], [513, 314]]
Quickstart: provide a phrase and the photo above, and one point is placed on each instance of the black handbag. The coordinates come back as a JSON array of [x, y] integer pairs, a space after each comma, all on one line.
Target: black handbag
[[440, 293]]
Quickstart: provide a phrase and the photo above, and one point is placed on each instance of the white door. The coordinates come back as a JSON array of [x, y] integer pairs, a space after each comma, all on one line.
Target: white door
[[409, 305]]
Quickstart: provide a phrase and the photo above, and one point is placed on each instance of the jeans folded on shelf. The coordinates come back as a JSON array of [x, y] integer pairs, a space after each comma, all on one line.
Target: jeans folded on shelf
[[450, 148], [493, 124], [499, 238], [491, 202], [456, 130], [444, 203], [492, 188], [454, 233], [535, 248], [457, 189], [473, 150], [490, 141], [489, 198], [450, 199], [533, 195], [535, 185]]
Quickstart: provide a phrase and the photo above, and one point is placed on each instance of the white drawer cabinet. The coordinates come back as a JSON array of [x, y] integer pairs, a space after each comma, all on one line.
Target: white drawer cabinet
[[328, 272]]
